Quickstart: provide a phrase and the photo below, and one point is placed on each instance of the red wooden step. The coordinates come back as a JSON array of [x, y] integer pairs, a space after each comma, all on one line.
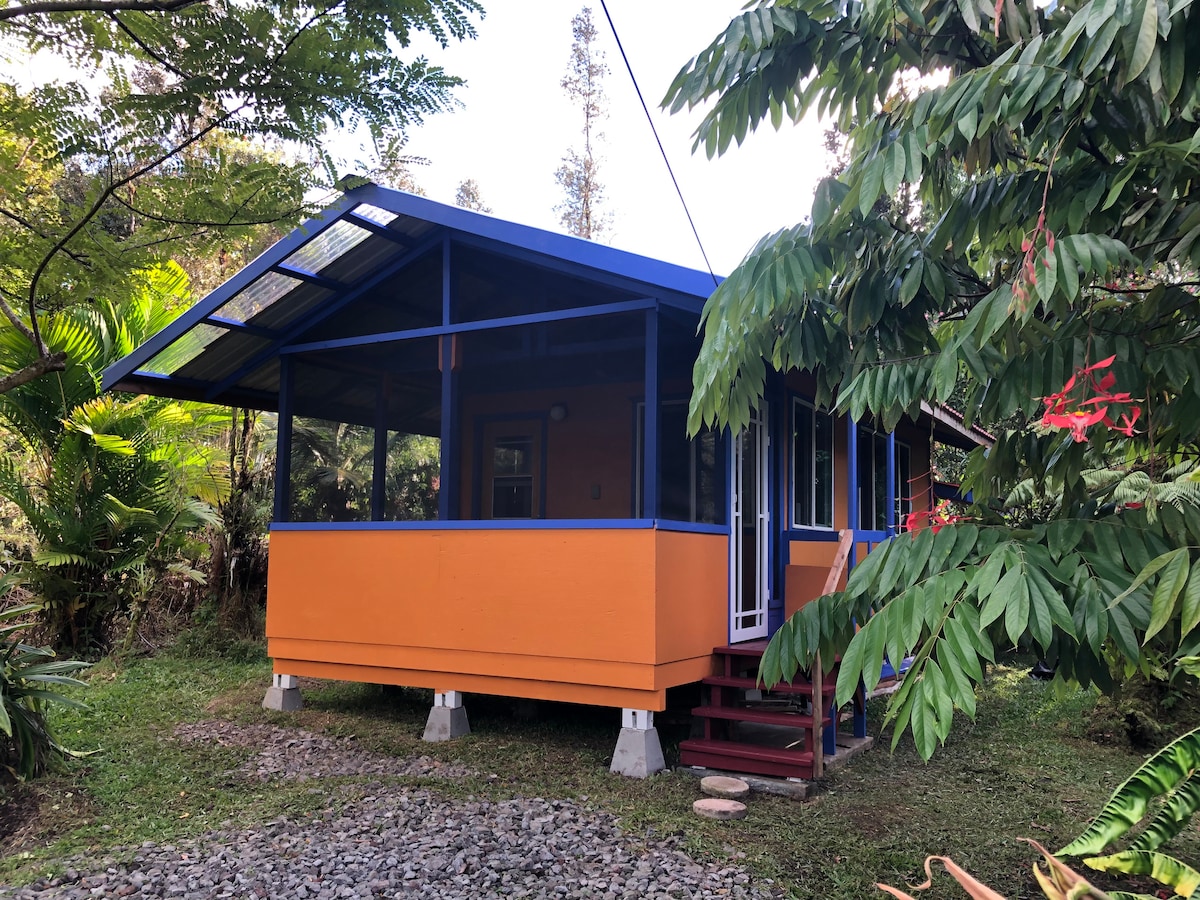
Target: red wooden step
[[746, 648], [764, 716], [749, 758], [828, 688]]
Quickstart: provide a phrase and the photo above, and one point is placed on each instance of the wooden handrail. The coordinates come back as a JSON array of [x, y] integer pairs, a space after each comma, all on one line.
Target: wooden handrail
[[836, 571]]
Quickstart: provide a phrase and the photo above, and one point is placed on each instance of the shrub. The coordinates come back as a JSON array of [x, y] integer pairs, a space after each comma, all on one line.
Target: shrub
[[26, 673]]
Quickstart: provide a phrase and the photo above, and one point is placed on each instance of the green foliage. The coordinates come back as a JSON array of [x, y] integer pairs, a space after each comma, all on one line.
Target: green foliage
[[26, 674], [207, 126], [115, 483], [1052, 155], [332, 473], [1161, 797]]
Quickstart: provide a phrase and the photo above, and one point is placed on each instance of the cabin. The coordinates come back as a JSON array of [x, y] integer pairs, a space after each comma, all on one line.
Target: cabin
[[485, 482]]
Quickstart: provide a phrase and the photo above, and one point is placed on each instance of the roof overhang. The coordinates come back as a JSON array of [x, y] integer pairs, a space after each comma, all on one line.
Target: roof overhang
[[226, 348]]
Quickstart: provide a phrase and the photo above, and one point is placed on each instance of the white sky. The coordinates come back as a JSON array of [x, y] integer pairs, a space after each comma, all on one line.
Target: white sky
[[517, 123]]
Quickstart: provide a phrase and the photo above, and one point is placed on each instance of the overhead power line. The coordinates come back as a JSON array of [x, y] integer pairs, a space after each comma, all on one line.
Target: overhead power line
[[662, 150]]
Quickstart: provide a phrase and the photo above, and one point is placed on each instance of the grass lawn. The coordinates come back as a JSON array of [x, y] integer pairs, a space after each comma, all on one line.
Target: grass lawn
[[1026, 767]]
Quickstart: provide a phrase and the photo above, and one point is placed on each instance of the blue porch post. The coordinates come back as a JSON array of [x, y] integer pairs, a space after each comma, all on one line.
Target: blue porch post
[[854, 517], [650, 458], [283, 441], [778, 419], [890, 513], [448, 437], [379, 454]]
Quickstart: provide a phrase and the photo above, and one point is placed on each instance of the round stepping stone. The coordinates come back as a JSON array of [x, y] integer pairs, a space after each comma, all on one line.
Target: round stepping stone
[[718, 808], [724, 786]]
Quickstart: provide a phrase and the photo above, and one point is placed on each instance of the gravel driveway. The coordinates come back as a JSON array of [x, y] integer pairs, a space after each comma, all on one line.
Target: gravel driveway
[[397, 842]]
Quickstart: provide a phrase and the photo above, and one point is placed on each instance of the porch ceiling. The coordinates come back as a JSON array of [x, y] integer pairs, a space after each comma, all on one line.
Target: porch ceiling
[[374, 263]]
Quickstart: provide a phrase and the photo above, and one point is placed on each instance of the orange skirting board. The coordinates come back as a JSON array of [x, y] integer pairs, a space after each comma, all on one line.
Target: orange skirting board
[[604, 616]]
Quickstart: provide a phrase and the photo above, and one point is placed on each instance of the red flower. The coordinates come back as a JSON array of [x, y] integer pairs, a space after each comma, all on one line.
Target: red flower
[[1063, 410], [1078, 421]]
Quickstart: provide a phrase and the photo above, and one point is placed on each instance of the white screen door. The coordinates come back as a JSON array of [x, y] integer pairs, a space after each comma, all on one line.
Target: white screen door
[[748, 544]]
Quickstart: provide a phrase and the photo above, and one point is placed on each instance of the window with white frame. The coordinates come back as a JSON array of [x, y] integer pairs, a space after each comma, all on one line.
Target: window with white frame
[[691, 480], [812, 466], [872, 481]]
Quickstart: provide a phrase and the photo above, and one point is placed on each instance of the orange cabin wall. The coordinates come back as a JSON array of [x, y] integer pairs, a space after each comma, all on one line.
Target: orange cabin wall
[[604, 616]]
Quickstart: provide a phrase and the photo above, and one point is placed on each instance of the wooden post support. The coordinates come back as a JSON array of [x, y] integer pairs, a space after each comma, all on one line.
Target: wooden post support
[[845, 543]]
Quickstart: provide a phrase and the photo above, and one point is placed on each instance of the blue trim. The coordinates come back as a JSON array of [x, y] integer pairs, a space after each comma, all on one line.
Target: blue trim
[[477, 525], [226, 292], [777, 422], [319, 314], [375, 228], [889, 497], [311, 277], [811, 534], [650, 458], [691, 527], [870, 537], [852, 510], [283, 443], [446, 354], [687, 304], [235, 325], [387, 337], [731, 488], [445, 436]]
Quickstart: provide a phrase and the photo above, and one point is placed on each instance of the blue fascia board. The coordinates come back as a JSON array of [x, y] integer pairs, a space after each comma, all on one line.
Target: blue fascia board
[[470, 525], [223, 294], [508, 525], [570, 249]]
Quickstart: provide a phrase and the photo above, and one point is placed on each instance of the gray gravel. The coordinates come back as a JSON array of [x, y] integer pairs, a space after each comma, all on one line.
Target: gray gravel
[[396, 842]]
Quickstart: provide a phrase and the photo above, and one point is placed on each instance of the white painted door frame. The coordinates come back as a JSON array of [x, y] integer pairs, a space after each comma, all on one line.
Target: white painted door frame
[[750, 519]]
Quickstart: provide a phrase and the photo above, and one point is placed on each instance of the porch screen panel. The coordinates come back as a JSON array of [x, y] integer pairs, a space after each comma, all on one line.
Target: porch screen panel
[[365, 433], [331, 471], [692, 477], [547, 417], [693, 472], [413, 477]]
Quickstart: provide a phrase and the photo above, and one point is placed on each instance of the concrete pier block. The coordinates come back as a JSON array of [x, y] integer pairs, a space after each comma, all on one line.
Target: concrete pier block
[[283, 694], [447, 719], [639, 751]]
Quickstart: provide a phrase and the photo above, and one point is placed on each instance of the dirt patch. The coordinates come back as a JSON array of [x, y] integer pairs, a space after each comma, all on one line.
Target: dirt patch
[[36, 814], [1144, 715], [299, 754]]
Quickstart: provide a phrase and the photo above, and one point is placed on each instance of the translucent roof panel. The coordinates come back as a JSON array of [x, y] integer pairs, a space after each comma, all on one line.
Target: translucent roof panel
[[257, 296], [183, 350], [375, 214], [327, 246]]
